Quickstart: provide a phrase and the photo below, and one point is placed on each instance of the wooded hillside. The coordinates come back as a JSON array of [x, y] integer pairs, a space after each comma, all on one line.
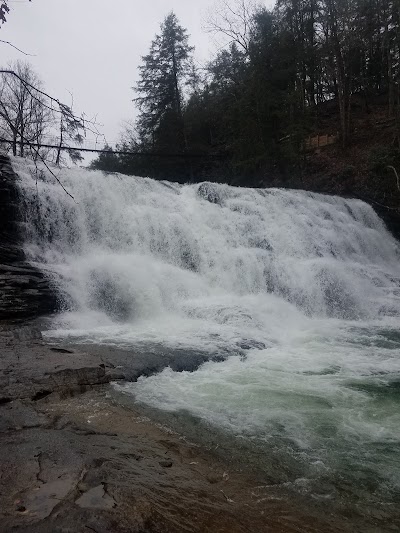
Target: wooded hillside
[[305, 70]]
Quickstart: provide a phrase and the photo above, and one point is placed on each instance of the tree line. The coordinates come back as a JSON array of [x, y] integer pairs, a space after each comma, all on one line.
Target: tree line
[[248, 112]]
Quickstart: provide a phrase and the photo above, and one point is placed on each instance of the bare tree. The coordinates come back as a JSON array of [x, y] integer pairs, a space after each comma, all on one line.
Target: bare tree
[[233, 20], [72, 129], [50, 112], [24, 118]]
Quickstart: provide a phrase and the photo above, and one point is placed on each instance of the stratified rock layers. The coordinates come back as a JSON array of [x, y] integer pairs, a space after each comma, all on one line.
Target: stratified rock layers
[[24, 290]]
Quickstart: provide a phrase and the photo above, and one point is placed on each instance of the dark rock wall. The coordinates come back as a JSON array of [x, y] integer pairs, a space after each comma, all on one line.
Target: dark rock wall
[[24, 291], [391, 217]]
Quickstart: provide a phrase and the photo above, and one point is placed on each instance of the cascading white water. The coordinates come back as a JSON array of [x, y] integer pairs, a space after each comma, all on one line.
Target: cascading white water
[[134, 248], [304, 287]]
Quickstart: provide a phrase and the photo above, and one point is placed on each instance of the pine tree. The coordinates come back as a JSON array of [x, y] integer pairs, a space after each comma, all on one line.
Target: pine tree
[[107, 161], [165, 72]]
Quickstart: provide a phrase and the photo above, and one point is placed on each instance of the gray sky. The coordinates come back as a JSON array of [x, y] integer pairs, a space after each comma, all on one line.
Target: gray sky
[[92, 48]]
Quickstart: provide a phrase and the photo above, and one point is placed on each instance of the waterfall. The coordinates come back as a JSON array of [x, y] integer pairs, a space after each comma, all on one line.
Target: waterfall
[[133, 248], [299, 293]]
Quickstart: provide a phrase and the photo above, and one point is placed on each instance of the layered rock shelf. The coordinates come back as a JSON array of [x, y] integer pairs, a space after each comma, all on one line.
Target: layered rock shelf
[[24, 290]]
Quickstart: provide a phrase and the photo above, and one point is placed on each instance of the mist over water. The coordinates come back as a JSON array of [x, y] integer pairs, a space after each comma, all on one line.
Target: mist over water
[[299, 292]]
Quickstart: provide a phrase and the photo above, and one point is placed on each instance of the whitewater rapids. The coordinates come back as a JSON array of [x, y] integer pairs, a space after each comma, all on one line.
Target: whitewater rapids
[[299, 293]]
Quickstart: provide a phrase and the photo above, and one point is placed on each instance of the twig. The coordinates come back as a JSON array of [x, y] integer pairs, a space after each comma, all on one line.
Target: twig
[[16, 48], [366, 199], [397, 176], [55, 177], [48, 168]]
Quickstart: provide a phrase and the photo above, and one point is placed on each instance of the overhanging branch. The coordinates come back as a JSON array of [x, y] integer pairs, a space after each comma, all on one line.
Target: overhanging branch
[[16, 48]]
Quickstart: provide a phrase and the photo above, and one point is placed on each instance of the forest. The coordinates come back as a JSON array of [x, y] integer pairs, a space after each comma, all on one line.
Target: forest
[[304, 95]]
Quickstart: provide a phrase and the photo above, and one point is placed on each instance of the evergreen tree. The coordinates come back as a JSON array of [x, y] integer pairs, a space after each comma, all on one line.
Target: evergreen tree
[[165, 72], [107, 161], [304, 70]]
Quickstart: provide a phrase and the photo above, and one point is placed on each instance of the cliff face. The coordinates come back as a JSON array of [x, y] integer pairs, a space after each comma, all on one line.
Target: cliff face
[[24, 290]]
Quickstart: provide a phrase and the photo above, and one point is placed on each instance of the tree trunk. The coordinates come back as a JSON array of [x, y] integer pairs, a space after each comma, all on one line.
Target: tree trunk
[[343, 80], [60, 145]]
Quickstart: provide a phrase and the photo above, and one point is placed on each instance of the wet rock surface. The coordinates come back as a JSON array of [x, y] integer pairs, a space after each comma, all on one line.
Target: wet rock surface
[[29, 369], [91, 465], [129, 365], [74, 459], [24, 291]]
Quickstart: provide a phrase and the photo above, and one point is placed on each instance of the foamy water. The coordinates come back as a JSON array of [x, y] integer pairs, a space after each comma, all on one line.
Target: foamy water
[[299, 292]]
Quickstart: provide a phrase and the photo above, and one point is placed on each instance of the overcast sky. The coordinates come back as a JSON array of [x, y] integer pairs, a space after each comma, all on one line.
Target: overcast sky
[[92, 48]]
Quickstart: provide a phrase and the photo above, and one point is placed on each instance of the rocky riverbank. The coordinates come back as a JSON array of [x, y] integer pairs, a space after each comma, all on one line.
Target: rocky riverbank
[[73, 459]]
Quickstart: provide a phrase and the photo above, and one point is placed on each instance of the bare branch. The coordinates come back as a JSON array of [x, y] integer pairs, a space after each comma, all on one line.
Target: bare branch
[[16, 48], [39, 155], [26, 110], [233, 20], [63, 109], [72, 127], [397, 176]]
